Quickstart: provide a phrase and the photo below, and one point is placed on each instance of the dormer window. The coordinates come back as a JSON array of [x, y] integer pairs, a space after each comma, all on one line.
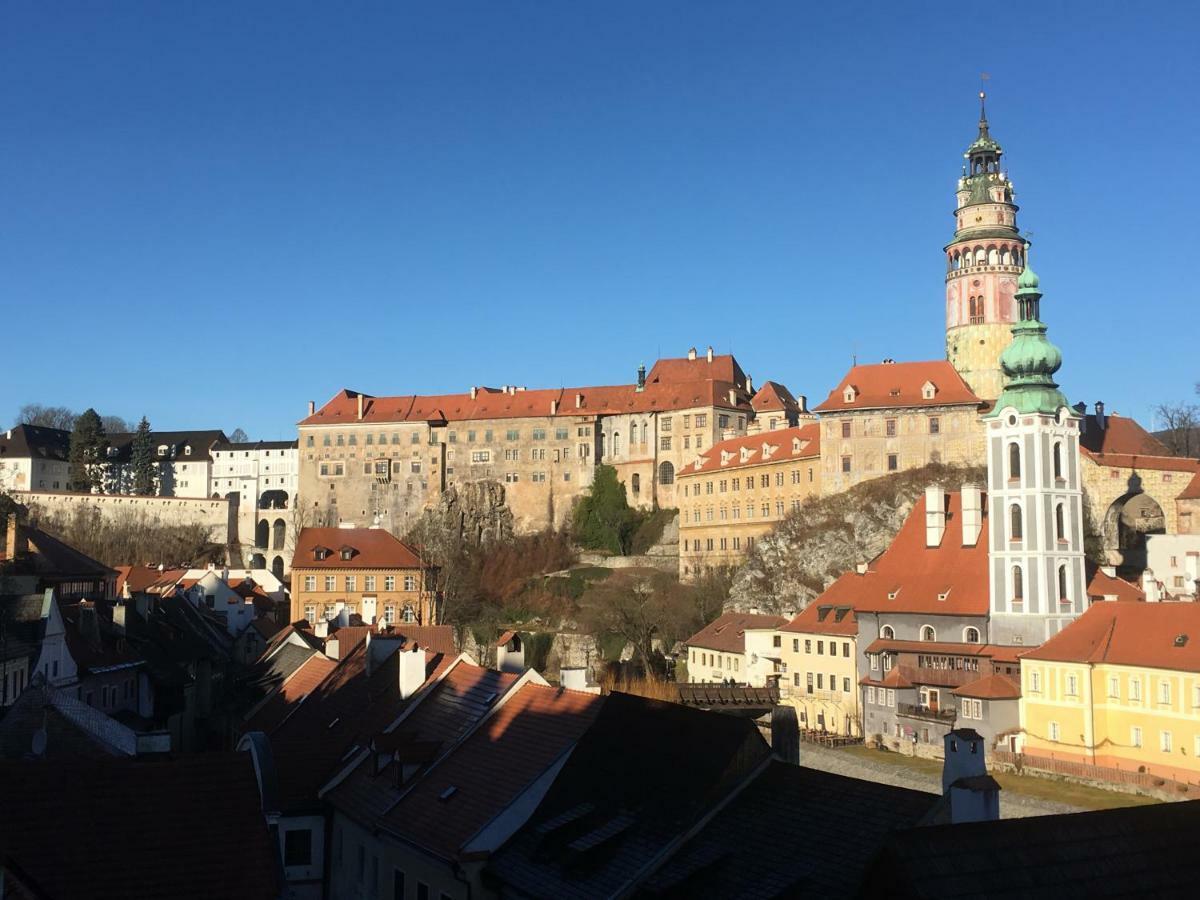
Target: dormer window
[[162, 449], [928, 390], [187, 451], [850, 394], [321, 553], [347, 553]]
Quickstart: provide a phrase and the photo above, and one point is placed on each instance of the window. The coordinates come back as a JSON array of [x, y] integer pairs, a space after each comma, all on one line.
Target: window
[[369, 583], [1072, 686], [1014, 518], [870, 695], [1063, 596], [971, 635], [928, 633], [1060, 523], [845, 465], [893, 462], [1164, 691], [809, 683], [1018, 585], [701, 420], [331, 582], [666, 473], [890, 427], [846, 426], [1014, 462], [422, 891], [410, 582], [1054, 732], [1135, 736], [1135, 690], [389, 582], [935, 425], [310, 582], [664, 442], [1058, 475], [1164, 741], [887, 633], [1035, 682], [389, 614], [846, 649], [891, 698], [351, 582], [820, 648], [297, 847], [807, 645], [1114, 687], [845, 685]]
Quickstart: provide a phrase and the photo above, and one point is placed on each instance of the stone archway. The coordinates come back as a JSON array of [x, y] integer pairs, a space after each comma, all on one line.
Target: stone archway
[[1129, 519]]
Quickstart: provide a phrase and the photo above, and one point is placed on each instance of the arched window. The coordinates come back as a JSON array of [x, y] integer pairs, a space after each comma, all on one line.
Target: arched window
[[1018, 584], [278, 533], [980, 256], [1060, 523], [1015, 530], [927, 633], [993, 256], [666, 473], [632, 433], [887, 633], [636, 482], [1014, 461], [1058, 461], [616, 443], [971, 636], [1062, 584]]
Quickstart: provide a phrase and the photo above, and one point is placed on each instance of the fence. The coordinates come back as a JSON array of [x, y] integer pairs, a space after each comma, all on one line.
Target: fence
[[1086, 771]]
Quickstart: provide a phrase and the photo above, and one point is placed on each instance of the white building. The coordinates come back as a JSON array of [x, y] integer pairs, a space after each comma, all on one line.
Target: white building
[[1173, 566], [264, 476], [33, 458], [183, 462]]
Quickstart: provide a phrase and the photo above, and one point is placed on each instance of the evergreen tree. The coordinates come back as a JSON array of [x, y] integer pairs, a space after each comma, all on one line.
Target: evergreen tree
[[603, 518], [142, 460], [88, 454]]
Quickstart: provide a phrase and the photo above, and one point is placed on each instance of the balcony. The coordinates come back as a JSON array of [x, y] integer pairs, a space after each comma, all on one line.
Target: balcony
[[941, 715]]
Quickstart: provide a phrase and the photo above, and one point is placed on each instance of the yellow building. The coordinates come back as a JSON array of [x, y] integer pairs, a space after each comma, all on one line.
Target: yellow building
[[820, 652], [1119, 687], [739, 489], [364, 571], [896, 416], [716, 654]]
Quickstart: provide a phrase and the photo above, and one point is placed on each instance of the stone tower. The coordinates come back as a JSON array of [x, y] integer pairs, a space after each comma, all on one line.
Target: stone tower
[[1035, 491], [982, 264]]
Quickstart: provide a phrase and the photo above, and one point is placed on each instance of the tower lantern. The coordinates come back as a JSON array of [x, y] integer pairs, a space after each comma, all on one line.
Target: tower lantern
[[983, 261]]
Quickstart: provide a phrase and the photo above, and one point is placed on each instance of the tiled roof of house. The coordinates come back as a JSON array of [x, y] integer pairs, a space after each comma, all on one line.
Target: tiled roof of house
[[801, 833], [990, 687], [948, 579], [774, 397], [643, 775], [897, 677], [436, 638], [1133, 851], [802, 442], [344, 710], [289, 691], [1102, 585], [824, 618], [1192, 491], [1153, 635], [369, 548], [64, 719], [196, 820], [727, 632], [179, 443], [1123, 443], [466, 790], [888, 385], [51, 557], [146, 579], [35, 442]]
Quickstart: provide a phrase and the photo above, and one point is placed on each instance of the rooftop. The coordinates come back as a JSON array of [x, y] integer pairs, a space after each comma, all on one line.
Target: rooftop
[[352, 548], [780, 445], [727, 632], [1151, 635], [892, 384]]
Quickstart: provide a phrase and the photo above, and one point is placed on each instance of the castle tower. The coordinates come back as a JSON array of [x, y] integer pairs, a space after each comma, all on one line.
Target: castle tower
[[1035, 490], [982, 264]]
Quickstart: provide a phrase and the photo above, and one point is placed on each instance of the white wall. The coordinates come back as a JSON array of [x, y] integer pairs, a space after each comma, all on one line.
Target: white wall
[[1175, 561]]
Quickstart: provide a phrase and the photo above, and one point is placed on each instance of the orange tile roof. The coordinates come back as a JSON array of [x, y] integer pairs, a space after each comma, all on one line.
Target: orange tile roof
[[990, 687], [1119, 435], [895, 678], [1153, 635], [774, 396], [909, 577], [887, 385], [302, 682], [372, 548], [142, 579], [822, 618], [727, 632], [1102, 585], [1155, 463], [802, 442], [672, 384]]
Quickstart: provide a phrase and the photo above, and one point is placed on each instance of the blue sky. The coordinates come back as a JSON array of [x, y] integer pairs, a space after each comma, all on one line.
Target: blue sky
[[212, 213]]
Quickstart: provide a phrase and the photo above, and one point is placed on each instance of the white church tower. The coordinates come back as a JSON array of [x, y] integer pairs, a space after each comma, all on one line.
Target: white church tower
[[1037, 578]]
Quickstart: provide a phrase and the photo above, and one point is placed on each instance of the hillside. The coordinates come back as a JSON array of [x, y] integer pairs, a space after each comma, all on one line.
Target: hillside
[[828, 536]]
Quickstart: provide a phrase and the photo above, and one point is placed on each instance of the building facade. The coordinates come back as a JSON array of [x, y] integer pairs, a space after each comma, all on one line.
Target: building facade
[[719, 653], [33, 458], [740, 489], [820, 651], [263, 476], [363, 571]]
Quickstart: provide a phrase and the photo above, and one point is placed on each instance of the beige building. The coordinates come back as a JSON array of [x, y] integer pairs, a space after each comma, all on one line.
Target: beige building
[[739, 489], [718, 653], [895, 416], [819, 650], [364, 571], [383, 460]]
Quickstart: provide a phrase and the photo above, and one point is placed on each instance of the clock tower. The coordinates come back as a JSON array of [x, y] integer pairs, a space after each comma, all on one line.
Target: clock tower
[[983, 262]]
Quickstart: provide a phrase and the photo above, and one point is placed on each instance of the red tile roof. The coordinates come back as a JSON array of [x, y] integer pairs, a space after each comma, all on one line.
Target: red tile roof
[[990, 687], [435, 638], [372, 548], [949, 579], [1102, 585], [1153, 635], [889, 385], [1192, 491], [302, 682], [823, 618], [897, 677], [727, 633], [802, 442], [146, 579], [485, 774], [772, 397], [1126, 444], [671, 384], [197, 822]]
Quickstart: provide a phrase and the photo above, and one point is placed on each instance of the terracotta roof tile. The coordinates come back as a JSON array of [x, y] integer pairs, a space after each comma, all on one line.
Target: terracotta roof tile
[[298, 685], [824, 618], [887, 385], [1192, 491], [1153, 635], [727, 633], [1102, 586], [990, 687], [773, 396], [1119, 435], [802, 442], [372, 548]]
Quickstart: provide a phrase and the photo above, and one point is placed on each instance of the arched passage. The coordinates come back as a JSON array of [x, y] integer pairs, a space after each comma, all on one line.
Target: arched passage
[[277, 567], [262, 533], [278, 533], [1128, 520]]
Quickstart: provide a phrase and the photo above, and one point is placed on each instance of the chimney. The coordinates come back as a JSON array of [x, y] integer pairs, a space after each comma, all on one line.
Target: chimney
[[360, 407], [579, 401], [691, 353], [312, 407], [972, 514], [118, 620], [802, 402], [641, 382], [785, 734], [969, 793], [379, 649], [321, 628], [412, 671], [1110, 571], [554, 407], [573, 678], [709, 353], [935, 515], [474, 392], [333, 647], [862, 568], [1101, 422], [749, 385], [89, 624], [1150, 586], [732, 397]]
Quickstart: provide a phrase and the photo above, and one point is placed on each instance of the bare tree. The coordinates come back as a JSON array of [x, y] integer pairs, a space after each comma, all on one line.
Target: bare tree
[[641, 607], [1180, 426], [239, 437], [47, 416]]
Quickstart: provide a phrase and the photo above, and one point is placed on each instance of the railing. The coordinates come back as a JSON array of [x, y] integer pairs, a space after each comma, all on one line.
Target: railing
[[1083, 770], [924, 712], [942, 677]]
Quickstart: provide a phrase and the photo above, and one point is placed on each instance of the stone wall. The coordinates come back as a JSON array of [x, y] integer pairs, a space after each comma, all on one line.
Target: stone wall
[[219, 516]]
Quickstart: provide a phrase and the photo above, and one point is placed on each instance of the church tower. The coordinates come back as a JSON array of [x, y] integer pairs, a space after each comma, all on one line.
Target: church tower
[[982, 264], [1037, 582]]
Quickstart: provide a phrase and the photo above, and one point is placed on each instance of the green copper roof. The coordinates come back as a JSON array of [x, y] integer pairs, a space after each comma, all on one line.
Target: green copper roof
[[984, 143], [1030, 361]]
